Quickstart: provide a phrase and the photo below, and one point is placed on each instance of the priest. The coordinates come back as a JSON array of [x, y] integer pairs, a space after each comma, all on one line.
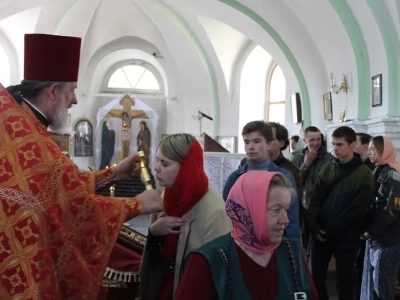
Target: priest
[[56, 235]]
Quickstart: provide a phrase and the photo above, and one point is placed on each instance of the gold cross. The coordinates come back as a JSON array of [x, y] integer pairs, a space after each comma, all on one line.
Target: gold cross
[[127, 102]]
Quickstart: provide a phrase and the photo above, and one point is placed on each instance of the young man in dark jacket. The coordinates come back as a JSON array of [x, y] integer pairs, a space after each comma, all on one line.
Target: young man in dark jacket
[[337, 214], [362, 148], [310, 162], [280, 141]]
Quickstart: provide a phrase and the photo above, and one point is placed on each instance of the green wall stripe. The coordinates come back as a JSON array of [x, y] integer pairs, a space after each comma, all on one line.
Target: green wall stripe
[[389, 37], [361, 56], [203, 56], [305, 97]]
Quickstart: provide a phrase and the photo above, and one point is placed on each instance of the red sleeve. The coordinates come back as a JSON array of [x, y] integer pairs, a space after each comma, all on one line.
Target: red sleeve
[[197, 282], [310, 279]]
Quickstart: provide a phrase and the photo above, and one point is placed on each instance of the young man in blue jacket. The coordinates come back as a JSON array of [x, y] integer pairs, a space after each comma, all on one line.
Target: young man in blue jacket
[[256, 136]]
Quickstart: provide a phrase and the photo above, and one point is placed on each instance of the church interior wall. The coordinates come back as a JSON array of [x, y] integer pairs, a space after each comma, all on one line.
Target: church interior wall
[[201, 68]]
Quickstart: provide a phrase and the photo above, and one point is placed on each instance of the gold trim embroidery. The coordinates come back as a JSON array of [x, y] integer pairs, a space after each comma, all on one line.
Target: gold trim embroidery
[[21, 197]]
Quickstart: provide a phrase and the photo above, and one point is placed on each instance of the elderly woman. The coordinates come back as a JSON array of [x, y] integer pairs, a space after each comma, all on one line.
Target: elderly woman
[[194, 214], [254, 261], [382, 257]]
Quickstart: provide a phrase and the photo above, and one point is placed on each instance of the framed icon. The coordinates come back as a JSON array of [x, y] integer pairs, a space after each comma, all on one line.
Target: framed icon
[[376, 94], [328, 106], [83, 138]]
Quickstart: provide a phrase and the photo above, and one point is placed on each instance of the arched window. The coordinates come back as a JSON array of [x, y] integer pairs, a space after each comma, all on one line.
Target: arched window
[[4, 69], [135, 76], [276, 97]]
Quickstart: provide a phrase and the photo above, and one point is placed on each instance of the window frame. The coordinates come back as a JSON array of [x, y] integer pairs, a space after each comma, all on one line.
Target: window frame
[[137, 62], [269, 103]]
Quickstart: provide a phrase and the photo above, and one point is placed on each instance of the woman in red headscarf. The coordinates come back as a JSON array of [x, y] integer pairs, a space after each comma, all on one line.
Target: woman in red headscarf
[[254, 261], [382, 257], [194, 214]]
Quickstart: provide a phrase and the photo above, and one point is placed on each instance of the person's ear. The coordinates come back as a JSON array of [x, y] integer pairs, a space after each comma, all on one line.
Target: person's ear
[[53, 91]]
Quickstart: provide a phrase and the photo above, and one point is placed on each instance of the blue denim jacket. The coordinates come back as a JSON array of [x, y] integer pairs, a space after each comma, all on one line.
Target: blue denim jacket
[[293, 229]]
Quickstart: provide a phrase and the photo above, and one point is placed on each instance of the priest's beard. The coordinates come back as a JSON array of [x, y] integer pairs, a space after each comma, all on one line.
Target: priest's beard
[[58, 122]]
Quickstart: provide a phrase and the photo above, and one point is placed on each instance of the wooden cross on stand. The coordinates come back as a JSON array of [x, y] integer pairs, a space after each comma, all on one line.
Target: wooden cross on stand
[[127, 102], [126, 115]]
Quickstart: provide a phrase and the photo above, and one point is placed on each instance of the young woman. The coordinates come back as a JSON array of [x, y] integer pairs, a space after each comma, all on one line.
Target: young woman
[[254, 261], [194, 214], [382, 255]]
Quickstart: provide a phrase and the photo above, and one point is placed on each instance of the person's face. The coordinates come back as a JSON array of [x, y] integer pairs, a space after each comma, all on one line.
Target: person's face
[[255, 145], [313, 140], [360, 148], [341, 149], [293, 144], [278, 205], [372, 153], [275, 145], [64, 98], [166, 170]]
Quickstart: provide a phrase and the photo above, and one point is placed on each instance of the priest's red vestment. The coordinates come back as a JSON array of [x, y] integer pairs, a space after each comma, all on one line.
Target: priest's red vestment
[[56, 235]]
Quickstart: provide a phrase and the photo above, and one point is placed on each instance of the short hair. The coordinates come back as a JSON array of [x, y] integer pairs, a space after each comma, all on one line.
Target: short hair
[[295, 138], [280, 181], [378, 143], [30, 89], [281, 133], [311, 129], [345, 132], [364, 138], [261, 127], [176, 146]]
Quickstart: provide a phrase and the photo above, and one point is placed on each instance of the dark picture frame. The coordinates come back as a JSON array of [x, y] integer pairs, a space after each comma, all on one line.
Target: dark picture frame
[[83, 138], [327, 100], [376, 93], [63, 141], [296, 108]]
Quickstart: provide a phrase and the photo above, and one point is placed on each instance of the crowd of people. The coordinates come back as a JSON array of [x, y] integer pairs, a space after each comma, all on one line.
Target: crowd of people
[[270, 235]]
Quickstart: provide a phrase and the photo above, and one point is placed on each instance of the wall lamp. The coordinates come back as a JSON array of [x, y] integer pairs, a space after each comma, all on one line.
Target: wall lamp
[[343, 86]]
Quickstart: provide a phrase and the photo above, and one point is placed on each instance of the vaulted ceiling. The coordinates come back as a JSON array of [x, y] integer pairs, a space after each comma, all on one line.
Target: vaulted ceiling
[[202, 43]]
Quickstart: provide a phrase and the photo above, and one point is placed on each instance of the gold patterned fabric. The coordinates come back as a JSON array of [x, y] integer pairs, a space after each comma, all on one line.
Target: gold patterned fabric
[[56, 235]]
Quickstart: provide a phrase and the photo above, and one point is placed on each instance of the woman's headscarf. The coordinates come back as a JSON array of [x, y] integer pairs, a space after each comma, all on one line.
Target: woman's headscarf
[[389, 155], [247, 207], [190, 186]]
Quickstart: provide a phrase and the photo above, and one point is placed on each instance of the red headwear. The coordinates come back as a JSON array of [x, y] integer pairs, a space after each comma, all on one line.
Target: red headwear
[[51, 57], [190, 186]]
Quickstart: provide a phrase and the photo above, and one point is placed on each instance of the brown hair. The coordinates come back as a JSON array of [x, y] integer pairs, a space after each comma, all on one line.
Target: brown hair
[[176, 146], [261, 127], [378, 143]]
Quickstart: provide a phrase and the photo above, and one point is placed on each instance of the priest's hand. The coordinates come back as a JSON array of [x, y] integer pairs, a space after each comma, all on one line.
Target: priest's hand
[[151, 201], [167, 225], [127, 168]]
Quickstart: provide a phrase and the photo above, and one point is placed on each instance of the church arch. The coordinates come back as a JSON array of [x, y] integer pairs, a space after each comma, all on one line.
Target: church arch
[[133, 76]]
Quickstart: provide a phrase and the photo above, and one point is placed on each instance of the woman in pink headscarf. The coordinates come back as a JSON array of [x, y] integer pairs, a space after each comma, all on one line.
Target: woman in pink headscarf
[[382, 257], [254, 261]]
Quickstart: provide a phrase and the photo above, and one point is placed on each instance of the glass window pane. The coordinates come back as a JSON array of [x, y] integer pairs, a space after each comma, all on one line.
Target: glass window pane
[[148, 81], [277, 87], [133, 73], [277, 113], [118, 80]]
